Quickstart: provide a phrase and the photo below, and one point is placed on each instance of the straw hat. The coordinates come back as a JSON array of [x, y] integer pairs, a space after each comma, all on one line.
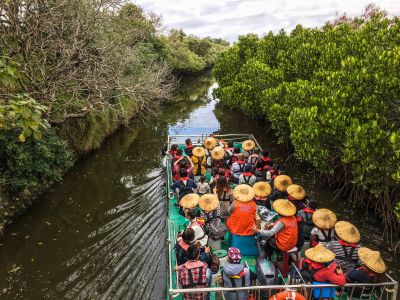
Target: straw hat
[[324, 218], [248, 145], [210, 143], [347, 232], [282, 182], [262, 189], [284, 207], [243, 193], [296, 192], [320, 254], [372, 259], [209, 202], [198, 151], [189, 201], [218, 153]]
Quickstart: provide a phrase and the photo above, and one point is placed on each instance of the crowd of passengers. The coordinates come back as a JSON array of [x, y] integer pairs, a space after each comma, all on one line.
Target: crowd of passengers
[[203, 180]]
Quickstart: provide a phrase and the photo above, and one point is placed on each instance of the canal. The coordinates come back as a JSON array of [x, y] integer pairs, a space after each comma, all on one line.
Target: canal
[[100, 233]]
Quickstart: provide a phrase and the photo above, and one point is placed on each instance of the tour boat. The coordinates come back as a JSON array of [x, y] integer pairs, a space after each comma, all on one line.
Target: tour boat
[[274, 278]]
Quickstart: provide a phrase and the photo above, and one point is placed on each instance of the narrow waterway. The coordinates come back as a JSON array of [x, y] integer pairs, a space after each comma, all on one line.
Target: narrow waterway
[[100, 234]]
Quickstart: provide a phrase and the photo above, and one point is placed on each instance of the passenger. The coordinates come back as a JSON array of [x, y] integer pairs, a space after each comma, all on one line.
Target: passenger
[[177, 156], [189, 147], [217, 155], [253, 158], [173, 150], [214, 178], [184, 185], [189, 201], [237, 168], [273, 172], [247, 177], [296, 195], [281, 235], [183, 163], [306, 218], [211, 214], [203, 187], [236, 153], [229, 152], [318, 266], [235, 274], [346, 246], [225, 196], [247, 148], [194, 274], [263, 164], [209, 143], [262, 190], [183, 242], [197, 225], [199, 161], [281, 184], [242, 211], [324, 220]]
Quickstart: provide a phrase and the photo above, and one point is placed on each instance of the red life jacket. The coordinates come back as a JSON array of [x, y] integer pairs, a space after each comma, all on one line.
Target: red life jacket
[[247, 176], [189, 147], [183, 245], [266, 160], [241, 164], [173, 152], [310, 265]]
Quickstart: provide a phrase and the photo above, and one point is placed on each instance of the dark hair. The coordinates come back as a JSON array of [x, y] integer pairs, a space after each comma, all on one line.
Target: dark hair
[[182, 164], [236, 150], [188, 235], [214, 171], [193, 252], [179, 151], [202, 178], [174, 147], [221, 172], [311, 203], [230, 144], [188, 141], [191, 212], [182, 172], [265, 153], [256, 150], [221, 184]]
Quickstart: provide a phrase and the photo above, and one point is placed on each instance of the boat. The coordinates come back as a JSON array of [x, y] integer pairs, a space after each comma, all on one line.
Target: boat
[[290, 282]]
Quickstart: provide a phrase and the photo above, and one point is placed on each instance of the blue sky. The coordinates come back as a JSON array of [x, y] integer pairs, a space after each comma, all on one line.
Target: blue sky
[[230, 18]]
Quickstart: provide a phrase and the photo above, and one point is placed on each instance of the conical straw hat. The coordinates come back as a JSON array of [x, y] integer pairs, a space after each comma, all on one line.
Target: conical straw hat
[[320, 254], [296, 192], [372, 259], [189, 201], [243, 193], [248, 145], [282, 182], [210, 143], [198, 151], [324, 218], [262, 189], [209, 202], [218, 153], [284, 207], [347, 232]]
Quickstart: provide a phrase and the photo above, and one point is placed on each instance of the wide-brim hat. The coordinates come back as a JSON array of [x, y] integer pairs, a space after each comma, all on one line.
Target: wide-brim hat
[[209, 202], [218, 153], [372, 259], [248, 145], [189, 201], [199, 151], [262, 189], [284, 207], [320, 254], [296, 192], [347, 232], [282, 182], [243, 193], [324, 218], [210, 143]]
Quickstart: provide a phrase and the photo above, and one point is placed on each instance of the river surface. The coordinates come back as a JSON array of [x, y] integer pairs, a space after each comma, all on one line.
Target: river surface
[[100, 234]]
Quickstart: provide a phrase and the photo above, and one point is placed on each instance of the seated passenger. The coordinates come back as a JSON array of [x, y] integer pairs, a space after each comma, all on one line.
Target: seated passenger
[[237, 168], [323, 232], [178, 155], [253, 158], [281, 235], [242, 211], [173, 150], [296, 195], [346, 246], [236, 153], [306, 218], [189, 147], [183, 163], [247, 148], [318, 266], [229, 152], [209, 144], [211, 214], [194, 274], [203, 187], [235, 274], [197, 224], [217, 155], [199, 161], [281, 184], [184, 185], [262, 190], [225, 196], [247, 177], [263, 164], [182, 244], [214, 178]]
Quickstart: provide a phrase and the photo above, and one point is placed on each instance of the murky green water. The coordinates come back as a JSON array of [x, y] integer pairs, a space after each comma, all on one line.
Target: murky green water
[[100, 233]]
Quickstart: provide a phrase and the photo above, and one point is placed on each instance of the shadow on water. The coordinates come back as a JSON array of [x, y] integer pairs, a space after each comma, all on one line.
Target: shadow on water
[[100, 233]]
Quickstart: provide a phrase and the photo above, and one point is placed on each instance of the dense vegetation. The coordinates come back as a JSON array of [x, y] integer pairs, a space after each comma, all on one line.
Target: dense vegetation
[[334, 92], [72, 71]]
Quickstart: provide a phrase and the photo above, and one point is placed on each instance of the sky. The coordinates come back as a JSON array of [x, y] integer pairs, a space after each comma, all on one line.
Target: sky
[[228, 19]]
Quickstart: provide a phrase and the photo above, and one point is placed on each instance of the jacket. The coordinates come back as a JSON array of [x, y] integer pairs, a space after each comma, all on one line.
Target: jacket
[[242, 218], [236, 275]]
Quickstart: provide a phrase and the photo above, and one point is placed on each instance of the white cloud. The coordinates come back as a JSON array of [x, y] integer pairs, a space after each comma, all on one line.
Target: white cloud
[[230, 18]]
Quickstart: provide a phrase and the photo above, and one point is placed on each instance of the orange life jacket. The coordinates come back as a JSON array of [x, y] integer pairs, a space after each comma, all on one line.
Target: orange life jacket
[[288, 295], [286, 239], [241, 221]]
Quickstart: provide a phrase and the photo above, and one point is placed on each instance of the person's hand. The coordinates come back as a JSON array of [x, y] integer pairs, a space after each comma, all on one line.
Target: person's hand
[[197, 244], [207, 249], [268, 226], [176, 268], [255, 229], [339, 270]]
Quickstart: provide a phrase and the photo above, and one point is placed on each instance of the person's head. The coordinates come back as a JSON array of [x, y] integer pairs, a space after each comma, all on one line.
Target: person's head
[[188, 235], [191, 213], [221, 172], [247, 168], [179, 151], [265, 153], [183, 172], [174, 147], [256, 150], [236, 150], [193, 252], [214, 171], [188, 142], [230, 144], [240, 156], [311, 203], [203, 179], [182, 164], [234, 256]]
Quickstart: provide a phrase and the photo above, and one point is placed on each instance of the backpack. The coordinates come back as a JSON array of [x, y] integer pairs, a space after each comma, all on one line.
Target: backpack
[[217, 229], [214, 266]]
